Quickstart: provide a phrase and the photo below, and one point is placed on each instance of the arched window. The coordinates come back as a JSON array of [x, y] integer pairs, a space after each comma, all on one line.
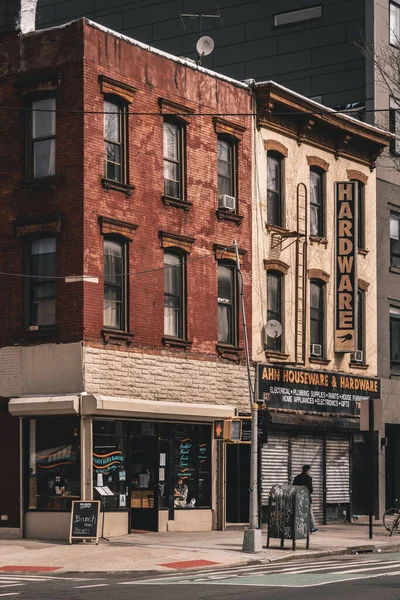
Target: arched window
[[274, 306], [317, 201], [274, 189], [317, 318]]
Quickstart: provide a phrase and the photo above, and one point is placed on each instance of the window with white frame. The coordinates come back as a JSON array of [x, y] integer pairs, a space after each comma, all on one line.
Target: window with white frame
[[394, 23]]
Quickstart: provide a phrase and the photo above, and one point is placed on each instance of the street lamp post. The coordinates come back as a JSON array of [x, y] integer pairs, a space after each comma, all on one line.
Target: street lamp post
[[252, 541]]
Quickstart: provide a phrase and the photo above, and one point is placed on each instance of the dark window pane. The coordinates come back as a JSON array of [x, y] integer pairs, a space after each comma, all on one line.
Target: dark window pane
[[173, 298], [43, 118], [316, 202], [360, 320], [226, 305], [114, 284], [395, 240], [54, 463], [42, 285], [316, 314], [172, 160], [395, 340], [274, 302]]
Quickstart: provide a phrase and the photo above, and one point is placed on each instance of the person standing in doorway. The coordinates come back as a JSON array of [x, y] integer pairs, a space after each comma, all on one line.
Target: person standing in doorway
[[304, 478]]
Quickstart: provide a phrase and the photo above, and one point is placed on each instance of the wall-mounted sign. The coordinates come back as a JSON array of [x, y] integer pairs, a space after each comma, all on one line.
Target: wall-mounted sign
[[314, 391], [346, 266]]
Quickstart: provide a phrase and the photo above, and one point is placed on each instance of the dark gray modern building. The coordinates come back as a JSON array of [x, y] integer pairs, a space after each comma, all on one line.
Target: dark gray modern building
[[308, 46]]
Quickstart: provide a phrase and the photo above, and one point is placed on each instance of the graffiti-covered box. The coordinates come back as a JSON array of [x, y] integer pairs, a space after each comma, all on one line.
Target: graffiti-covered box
[[289, 513]]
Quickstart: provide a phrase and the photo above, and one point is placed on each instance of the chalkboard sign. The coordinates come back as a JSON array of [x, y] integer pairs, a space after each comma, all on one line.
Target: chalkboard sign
[[246, 429], [85, 521]]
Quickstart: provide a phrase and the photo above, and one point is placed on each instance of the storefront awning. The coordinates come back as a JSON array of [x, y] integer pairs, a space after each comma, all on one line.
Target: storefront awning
[[44, 405], [117, 406]]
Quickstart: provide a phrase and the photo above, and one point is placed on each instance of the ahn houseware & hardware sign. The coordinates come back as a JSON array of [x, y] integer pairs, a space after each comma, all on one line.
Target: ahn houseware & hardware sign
[[314, 391]]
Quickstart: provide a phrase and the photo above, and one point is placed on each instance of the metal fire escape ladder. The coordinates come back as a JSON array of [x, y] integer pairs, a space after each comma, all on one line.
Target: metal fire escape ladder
[[301, 275]]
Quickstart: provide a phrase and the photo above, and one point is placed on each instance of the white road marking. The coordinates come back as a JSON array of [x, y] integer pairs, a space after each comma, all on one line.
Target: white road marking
[[374, 568], [10, 594], [7, 585], [78, 587]]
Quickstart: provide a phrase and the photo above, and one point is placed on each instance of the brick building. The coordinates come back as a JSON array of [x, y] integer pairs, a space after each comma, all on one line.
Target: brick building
[[120, 331]]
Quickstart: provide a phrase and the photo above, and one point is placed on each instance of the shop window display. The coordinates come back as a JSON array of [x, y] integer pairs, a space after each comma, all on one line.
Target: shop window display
[[192, 463], [53, 463], [109, 464]]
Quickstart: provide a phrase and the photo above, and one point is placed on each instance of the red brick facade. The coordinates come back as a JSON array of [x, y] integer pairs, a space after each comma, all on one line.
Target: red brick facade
[[79, 54]]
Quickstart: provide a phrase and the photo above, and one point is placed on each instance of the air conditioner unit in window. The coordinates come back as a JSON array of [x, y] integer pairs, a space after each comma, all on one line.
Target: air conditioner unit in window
[[227, 202], [316, 350], [357, 356]]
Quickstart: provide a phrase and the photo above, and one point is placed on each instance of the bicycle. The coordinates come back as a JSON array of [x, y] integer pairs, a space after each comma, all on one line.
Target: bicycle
[[391, 519]]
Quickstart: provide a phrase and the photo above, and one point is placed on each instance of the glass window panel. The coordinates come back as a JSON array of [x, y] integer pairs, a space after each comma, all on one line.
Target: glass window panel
[[316, 314], [225, 324], [53, 463], [112, 313], [171, 171], [394, 24], [113, 153], [316, 187], [110, 462], [225, 168], [224, 151], [44, 158], [395, 340], [43, 118], [395, 228], [225, 283], [314, 219], [171, 141], [360, 320], [171, 188], [273, 173], [42, 286], [114, 284], [112, 122], [113, 171], [274, 303], [173, 312]]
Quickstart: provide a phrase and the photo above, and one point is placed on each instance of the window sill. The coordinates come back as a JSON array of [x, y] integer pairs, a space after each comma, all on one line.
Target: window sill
[[177, 203], [50, 183], [109, 184], [319, 361], [226, 215], [395, 270], [318, 240], [276, 229], [363, 251], [276, 355], [229, 352], [357, 365], [114, 336], [173, 342], [37, 335]]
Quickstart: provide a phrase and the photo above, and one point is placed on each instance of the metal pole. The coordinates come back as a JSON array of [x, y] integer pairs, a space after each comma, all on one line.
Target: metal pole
[[252, 537], [372, 466]]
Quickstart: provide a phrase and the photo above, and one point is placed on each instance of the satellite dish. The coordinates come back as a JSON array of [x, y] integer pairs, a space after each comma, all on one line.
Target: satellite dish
[[205, 45], [273, 329]]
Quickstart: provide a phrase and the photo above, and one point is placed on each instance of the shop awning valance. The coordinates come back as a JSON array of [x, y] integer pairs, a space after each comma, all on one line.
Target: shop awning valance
[[44, 405], [124, 406], [117, 406]]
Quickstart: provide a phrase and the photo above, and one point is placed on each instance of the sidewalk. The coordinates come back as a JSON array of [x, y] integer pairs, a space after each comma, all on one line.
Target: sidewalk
[[152, 551]]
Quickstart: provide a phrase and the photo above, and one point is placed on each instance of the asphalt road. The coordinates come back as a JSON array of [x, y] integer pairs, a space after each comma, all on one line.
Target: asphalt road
[[362, 577]]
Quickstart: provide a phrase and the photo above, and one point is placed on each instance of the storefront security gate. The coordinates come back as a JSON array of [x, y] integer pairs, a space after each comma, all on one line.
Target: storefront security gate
[[284, 455]]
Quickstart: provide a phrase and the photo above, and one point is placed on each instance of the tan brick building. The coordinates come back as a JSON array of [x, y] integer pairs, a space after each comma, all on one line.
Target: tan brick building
[[299, 156]]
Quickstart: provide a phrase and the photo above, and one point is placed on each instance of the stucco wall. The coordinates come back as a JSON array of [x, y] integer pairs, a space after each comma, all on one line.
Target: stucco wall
[[44, 369]]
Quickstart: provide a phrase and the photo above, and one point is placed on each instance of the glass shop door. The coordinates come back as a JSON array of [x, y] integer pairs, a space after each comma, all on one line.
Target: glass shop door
[[144, 483]]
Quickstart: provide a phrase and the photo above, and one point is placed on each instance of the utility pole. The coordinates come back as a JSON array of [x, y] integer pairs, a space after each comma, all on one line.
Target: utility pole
[[252, 541]]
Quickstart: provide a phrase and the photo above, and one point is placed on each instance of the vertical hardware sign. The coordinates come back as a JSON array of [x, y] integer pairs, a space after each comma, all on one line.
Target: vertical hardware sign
[[346, 266]]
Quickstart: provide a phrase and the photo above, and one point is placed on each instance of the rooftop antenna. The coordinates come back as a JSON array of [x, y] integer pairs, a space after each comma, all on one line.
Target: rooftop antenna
[[205, 44]]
